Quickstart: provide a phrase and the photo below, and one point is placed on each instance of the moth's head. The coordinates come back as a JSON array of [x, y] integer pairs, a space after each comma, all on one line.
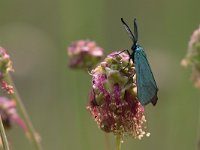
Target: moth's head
[[134, 46], [134, 37]]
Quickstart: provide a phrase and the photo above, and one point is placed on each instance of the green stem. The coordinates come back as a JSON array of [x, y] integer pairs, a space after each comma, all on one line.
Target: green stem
[[3, 136], [198, 132], [107, 141], [118, 142], [30, 128]]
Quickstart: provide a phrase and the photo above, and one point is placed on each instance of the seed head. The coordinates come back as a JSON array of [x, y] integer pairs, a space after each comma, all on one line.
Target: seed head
[[113, 102]]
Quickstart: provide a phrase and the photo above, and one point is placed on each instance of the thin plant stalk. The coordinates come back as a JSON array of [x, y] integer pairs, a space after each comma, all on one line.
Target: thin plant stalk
[[198, 132], [118, 142], [30, 128], [107, 141], [3, 136]]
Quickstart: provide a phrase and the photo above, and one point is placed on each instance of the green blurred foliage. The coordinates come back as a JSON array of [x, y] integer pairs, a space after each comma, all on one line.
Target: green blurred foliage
[[36, 34]]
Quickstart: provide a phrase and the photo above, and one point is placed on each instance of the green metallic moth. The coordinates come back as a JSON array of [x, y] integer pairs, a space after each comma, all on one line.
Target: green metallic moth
[[146, 84]]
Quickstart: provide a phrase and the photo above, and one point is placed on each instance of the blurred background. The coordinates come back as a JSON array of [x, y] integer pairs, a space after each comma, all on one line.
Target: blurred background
[[37, 33]]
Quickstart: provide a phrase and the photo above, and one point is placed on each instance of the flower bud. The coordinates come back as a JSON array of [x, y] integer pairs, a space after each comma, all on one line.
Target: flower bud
[[84, 54], [5, 62]]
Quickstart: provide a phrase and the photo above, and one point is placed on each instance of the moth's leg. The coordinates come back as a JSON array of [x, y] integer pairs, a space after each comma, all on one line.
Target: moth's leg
[[128, 59], [129, 54], [129, 80], [127, 64], [125, 51], [131, 77], [121, 52]]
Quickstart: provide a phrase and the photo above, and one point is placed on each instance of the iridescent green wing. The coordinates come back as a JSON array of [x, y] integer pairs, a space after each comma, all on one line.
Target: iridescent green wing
[[146, 85]]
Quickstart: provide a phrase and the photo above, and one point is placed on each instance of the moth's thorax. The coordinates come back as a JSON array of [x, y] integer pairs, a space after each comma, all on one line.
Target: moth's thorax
[[138, 48]]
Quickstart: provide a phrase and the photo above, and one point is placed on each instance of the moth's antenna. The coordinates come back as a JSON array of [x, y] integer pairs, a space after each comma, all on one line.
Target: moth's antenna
[[135, 30], [129, 31]]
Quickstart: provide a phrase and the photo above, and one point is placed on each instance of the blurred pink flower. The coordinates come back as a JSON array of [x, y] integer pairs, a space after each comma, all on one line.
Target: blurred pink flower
[[84, 54], [5, 67], [113, 102], [6, 87], [5, 62], [192, 57], [9, 114]]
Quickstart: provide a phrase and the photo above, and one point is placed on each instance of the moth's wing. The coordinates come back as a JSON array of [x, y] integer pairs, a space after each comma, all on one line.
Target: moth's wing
[[146, 85]]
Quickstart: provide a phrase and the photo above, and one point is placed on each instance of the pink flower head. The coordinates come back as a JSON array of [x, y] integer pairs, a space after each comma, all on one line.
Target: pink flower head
[[5, 67], [113, 102], [84, 54], [192, 57], [5, 62], [9, 114]]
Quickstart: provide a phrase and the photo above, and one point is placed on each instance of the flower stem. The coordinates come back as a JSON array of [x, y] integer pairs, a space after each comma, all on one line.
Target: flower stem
[[3, 136], [198, 132], [107, 141], [118, 142], [30, 128]]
